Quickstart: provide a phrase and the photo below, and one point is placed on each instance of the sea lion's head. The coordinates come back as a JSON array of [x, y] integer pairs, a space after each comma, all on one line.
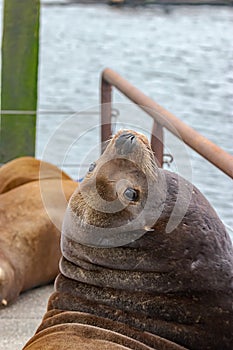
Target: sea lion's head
[[114, 202]]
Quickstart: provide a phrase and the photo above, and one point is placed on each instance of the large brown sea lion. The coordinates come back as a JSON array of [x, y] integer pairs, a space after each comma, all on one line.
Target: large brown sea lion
[[29, 239], [127, 280]]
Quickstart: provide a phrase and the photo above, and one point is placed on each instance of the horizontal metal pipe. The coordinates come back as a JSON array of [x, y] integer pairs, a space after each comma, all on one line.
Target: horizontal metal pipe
[[203, 146], [42, 111]]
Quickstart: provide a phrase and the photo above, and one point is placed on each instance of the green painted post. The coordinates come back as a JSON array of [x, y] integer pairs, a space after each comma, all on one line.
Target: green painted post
[[20, 46]]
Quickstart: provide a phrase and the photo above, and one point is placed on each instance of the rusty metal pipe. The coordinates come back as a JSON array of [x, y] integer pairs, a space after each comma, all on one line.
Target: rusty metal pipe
[[206, 148], [157, 142], [106, 112]]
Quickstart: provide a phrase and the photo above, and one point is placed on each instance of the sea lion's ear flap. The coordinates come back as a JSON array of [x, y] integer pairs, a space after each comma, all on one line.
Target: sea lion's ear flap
[[148, 229]]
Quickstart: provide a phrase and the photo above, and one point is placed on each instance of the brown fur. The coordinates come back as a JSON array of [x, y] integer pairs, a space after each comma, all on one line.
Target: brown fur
[[26, 169], [29, 239]]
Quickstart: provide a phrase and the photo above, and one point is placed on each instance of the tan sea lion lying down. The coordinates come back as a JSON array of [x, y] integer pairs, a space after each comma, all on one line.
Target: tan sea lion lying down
[[29, 240], [126, 281]]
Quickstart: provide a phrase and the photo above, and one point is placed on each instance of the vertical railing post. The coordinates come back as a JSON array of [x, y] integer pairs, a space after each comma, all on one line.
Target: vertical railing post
[[106, 112], [157, 142], [20, 45]]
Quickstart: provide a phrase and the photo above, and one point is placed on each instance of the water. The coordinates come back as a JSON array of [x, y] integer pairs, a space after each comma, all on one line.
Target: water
[[182, 58]]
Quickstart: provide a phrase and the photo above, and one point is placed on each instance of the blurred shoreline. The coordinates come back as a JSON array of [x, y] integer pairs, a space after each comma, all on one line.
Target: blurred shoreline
[[142, 2]]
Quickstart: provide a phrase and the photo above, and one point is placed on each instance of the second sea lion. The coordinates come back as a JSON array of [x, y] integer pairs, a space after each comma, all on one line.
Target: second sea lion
[[29, 232]]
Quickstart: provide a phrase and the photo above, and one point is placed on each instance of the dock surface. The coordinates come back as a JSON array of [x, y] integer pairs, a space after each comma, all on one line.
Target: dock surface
[[19, 320]]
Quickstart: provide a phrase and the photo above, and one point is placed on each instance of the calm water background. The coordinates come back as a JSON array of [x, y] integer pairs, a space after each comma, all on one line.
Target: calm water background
[[182, 58]]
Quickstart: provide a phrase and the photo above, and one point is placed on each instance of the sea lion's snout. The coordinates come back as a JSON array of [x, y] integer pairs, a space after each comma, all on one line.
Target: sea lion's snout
[[134, 146], [125, 143]]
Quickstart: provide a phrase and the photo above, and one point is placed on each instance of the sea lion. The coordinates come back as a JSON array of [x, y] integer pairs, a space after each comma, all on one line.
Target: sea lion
[[29, 239], [124, 272]]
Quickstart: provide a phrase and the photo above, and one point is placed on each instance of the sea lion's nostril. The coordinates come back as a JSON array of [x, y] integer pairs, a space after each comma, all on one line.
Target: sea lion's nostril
[[125, 143], [131, 137]]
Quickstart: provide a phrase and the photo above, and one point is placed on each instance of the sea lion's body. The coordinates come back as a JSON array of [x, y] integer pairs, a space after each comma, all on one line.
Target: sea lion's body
[[29, 238], [167, 289]]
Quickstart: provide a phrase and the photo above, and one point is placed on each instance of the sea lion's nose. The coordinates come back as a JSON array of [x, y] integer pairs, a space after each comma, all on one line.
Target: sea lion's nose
[[125, 143]]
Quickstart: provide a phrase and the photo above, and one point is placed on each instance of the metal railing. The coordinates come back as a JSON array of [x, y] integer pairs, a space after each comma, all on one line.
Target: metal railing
[[162, 119]]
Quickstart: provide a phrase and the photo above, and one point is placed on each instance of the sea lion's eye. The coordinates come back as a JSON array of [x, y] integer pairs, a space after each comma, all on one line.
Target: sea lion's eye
[[131, 194], [91, 167]]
